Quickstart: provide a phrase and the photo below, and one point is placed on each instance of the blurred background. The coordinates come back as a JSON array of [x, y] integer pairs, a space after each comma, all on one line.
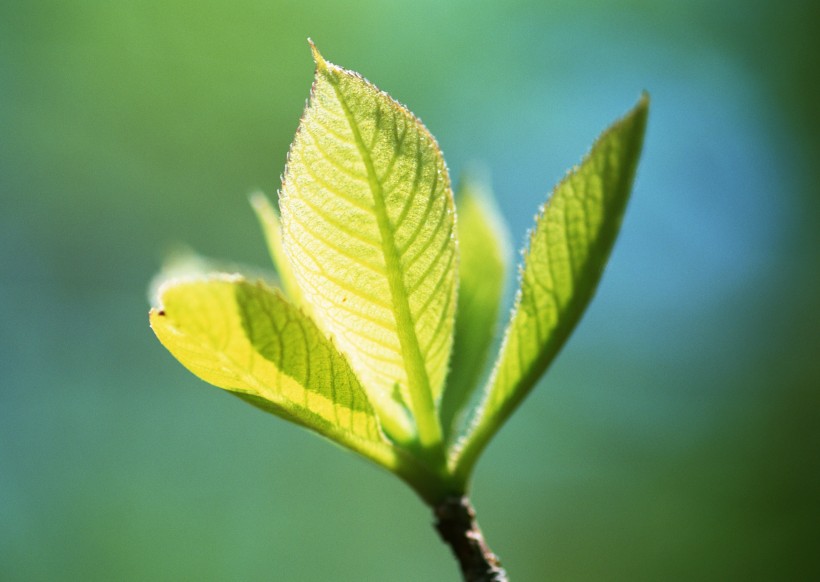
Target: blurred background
[[675, 438]]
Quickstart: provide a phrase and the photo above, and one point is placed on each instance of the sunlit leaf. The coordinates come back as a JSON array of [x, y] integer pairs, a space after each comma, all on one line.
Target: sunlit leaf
[[566, 256], [368, 221], [252, 342], [483, 245]]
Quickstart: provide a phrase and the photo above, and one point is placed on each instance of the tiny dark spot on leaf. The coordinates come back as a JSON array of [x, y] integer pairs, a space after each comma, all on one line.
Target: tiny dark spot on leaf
[[161, 312]]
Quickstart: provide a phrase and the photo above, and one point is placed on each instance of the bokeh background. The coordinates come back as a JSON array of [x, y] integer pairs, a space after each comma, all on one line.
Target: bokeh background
[[676, 437]]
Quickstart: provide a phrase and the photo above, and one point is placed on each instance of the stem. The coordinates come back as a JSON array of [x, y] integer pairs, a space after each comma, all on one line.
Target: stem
[[457, 526]]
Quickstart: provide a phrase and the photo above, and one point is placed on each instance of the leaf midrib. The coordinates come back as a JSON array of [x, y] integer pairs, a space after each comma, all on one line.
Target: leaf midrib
[[429, 430]]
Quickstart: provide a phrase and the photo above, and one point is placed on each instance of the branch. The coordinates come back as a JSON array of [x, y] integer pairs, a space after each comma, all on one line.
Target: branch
[[455, 522]]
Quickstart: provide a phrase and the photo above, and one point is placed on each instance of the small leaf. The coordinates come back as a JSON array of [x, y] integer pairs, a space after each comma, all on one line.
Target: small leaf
[[368, 221], [483, 244], [250, 341], [269, 220], [565, 259]]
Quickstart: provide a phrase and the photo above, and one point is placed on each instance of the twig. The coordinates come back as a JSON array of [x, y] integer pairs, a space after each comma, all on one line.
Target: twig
[[456, 523]]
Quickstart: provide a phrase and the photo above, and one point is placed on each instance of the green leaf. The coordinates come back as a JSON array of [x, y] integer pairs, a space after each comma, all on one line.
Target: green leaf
[[269, 220], [567, 253], [250, 341], [368, 221], [483, 244]]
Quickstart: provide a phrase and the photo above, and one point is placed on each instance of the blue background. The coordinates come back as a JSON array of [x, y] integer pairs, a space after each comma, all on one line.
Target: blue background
[[675, 438]]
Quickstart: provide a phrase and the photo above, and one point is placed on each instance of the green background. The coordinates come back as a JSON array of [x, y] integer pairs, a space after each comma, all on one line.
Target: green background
[[676, 437]]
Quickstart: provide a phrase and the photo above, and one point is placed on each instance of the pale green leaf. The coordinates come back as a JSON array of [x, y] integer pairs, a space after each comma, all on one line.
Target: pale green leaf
[[566, 256], [252, 342], [368, 221], [483, 244], [272, 228]]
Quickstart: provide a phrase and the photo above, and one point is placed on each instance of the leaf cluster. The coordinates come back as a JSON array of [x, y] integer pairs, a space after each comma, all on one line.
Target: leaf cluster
[[388, 305]]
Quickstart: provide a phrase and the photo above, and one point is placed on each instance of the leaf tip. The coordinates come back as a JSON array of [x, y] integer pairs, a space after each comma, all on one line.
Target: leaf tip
[[644, 100], [259, 202], [321, 63], [642, 106], [155, 314]]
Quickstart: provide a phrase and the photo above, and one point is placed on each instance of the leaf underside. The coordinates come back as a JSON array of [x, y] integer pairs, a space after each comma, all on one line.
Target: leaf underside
[[368, 221], [566, 256], [249, 340]]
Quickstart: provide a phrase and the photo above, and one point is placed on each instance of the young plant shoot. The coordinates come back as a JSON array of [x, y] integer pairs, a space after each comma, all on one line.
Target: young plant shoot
[[388, 304]]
